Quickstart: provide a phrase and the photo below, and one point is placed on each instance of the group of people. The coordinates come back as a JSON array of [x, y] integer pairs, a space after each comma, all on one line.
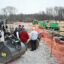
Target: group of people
[[23, 35]]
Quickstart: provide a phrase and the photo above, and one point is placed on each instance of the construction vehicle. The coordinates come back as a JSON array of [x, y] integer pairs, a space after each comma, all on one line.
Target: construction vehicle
[[10, 47], [35, 21]]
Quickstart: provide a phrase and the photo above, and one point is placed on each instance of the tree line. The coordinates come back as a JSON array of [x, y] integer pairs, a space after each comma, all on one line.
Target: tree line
[[9, 13]]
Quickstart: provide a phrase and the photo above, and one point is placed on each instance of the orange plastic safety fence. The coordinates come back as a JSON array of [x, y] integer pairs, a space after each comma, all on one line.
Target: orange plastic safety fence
[[55, 44], [57, 47]]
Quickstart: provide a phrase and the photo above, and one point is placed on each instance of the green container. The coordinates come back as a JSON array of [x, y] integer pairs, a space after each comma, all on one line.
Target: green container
[[35, 21], [54, 25], [43, 24]]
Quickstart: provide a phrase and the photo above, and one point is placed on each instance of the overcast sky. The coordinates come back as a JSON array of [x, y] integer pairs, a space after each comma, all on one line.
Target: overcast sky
[[31, 6]]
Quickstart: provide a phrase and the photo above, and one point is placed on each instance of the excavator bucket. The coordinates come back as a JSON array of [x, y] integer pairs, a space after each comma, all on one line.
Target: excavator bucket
[[10, 49]]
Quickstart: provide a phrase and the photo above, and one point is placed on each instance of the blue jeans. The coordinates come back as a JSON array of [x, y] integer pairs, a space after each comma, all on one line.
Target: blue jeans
[[25, 43]]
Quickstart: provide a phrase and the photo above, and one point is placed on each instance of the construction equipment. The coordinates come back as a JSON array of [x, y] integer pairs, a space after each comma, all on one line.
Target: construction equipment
[[10, 49], [35, 21]]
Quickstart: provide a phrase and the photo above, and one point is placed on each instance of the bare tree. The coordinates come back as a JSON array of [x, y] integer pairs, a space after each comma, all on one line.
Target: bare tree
[[9, 12], [56, 13]]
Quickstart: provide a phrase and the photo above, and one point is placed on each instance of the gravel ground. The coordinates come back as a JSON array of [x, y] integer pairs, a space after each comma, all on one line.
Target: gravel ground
[[39, 56]]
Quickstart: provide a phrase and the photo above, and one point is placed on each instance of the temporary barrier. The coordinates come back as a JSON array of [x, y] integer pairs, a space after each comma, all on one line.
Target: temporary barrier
[[56, 46], [19, 23]]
